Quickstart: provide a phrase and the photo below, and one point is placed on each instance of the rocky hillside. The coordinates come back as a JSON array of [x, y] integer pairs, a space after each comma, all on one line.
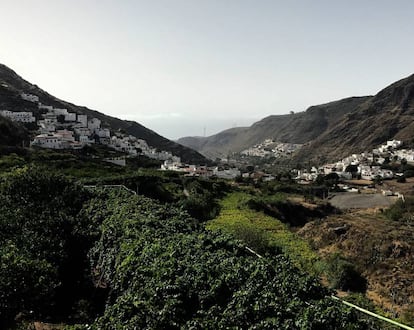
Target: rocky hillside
[[388, 115], [11, 85], [329, 131], [300, 127]]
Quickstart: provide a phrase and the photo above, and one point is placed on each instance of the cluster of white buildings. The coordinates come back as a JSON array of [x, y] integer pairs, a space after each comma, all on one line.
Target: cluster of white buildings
[[30, 97], [223, 172], [271, 148], [134, 146], [389, 146], [363, 165], [61, 129], [21, 116]]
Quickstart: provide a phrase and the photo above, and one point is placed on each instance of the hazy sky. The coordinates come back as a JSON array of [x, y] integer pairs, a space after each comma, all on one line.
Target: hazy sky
[[177, 66]]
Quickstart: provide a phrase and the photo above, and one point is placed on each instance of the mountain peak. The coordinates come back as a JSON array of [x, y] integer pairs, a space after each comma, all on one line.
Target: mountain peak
[[399, 94]]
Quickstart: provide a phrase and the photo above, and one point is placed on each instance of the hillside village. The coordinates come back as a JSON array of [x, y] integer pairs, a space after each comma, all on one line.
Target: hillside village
[[60, 129], [366, 165], [271, 148]]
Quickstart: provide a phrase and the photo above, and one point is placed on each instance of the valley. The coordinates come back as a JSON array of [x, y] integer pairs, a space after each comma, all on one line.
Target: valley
[[158, 240]]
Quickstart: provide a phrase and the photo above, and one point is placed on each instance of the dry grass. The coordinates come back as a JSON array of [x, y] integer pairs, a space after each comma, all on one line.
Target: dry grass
[[381, 249], [406, 188]]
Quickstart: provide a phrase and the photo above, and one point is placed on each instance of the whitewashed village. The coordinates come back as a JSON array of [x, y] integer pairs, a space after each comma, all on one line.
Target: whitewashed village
[[61, 129], [271, 148], [366, 165]]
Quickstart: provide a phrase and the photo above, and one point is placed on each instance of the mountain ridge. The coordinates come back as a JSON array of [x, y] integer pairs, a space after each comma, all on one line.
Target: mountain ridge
[[291, 128], [388, 115], [11, 85], [327, 131]]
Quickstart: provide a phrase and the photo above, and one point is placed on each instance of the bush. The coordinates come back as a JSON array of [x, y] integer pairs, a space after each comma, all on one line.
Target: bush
[[27, 284], [343, 275], [255, 238], [46, 242], [401, 210], [401, 179]]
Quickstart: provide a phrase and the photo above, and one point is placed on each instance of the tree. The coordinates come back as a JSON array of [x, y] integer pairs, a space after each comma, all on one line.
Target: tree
[[377, 180], [352, 169], [401, 179], [332, 178]]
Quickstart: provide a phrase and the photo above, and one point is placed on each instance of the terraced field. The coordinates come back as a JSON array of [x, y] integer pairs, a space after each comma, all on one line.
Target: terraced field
[[235, 215]]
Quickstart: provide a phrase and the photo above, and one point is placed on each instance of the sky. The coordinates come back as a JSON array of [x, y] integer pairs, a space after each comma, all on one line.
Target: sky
[[196, 67]]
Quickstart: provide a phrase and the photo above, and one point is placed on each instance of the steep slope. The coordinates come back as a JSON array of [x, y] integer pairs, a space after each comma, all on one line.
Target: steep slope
[[299, 127], [388, 115], [11, 85]]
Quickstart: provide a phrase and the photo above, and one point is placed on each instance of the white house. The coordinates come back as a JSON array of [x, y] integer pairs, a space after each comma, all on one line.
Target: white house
[[50, 118], [94, 124], [70, 116], [50, 141], [85, 139], [29, 97], [45, 107], [394, 143], [103, 132], [83, 131], [21, 116], [60, 112], [66, 135], [83, 120]]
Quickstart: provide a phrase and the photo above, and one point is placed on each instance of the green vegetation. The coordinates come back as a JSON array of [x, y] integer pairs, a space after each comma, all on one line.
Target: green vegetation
[[402, 210], [12, 134], [174, 274], [116, 260], [85, 163], [140, 175], [44, 244], [236, 214], [343, 275], [294, 214]]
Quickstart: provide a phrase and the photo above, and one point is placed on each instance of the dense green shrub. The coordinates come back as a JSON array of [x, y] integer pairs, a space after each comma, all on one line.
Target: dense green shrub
[[201, 200], [254, 238], [401, 210], [343, 275], [44, 243], [27, 284]]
